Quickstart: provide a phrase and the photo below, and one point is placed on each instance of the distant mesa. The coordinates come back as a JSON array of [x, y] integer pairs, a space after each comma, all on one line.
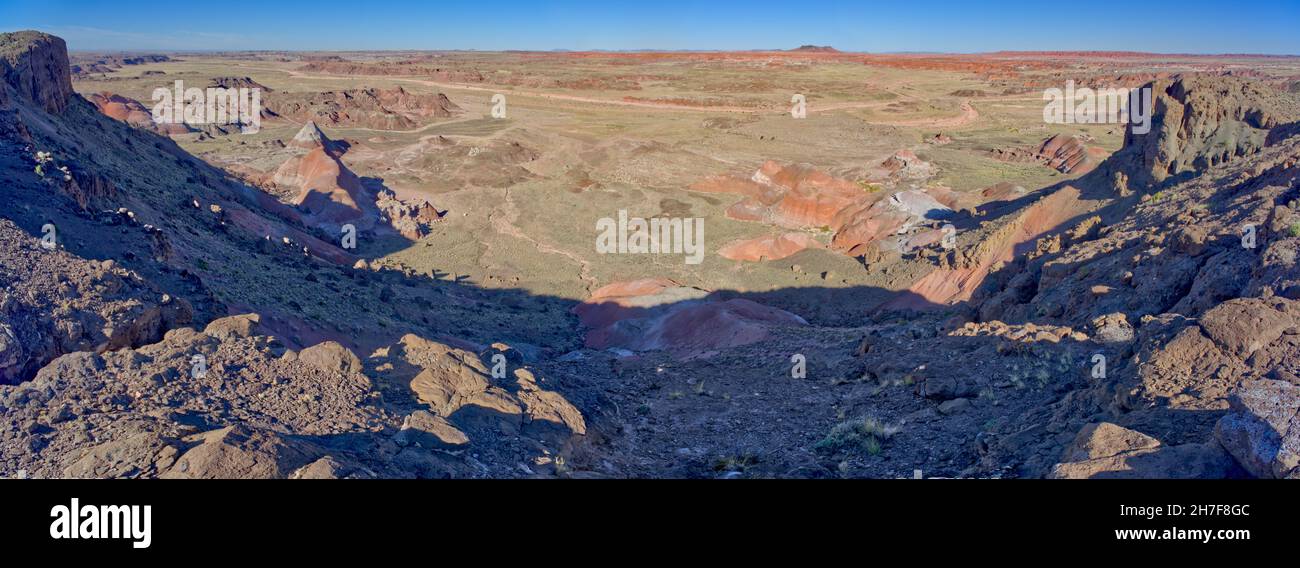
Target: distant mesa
[[239, 83], [84, 65], [380, 109], [815, 49], [341, 66]]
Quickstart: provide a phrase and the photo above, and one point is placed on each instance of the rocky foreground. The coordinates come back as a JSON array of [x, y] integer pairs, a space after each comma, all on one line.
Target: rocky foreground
[[1140, 321]]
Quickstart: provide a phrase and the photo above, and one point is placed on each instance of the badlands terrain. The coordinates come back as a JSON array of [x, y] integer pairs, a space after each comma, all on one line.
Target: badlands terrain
[[919, 277]]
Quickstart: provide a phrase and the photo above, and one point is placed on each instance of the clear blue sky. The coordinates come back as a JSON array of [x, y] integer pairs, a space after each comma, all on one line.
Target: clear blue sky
[[1186, 26]]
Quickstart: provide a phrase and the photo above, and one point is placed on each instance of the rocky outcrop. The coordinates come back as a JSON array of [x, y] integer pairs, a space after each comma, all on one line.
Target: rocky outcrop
[[1069, 154], [36, 66], [54, 303], [321, 185], [89, 189], [471, 398], [332, 357], [1199, 122], [1243, 326], [409, 220], [1065, 154], [230, 403], [241, 452], [383, 109], [1200, 332]]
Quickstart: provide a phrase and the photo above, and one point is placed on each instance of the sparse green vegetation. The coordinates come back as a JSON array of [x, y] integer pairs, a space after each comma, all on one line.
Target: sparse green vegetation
[[865, 434], [870, 187], [735, 463], [1294, 230]]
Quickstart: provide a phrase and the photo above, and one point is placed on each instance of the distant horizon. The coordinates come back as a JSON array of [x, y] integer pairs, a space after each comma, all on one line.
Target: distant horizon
[[1160, 27], [659, 50]]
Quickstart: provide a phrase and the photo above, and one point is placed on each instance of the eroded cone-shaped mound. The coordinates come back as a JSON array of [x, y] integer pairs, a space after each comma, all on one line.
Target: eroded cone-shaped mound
[[310, 137], [328, 191]]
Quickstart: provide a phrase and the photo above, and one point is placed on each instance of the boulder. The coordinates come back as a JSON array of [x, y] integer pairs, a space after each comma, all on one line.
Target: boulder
[[547, 407], [1263, 430], [325, 468], [1104, 440], [1245, 325], [947, 387], [1109, 451], [136, 453], [240, 452], [234, 326], [331, 356], [446, 388], [429, 430]]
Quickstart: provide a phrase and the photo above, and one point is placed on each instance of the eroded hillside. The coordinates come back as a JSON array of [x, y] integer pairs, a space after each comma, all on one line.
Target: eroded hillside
[[1134, 313]]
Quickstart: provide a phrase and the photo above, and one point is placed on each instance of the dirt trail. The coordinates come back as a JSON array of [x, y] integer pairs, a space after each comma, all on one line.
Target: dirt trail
[[968, 115], [505, 224]]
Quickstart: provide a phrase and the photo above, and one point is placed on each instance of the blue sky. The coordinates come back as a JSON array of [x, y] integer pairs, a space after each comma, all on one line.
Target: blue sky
[[1169, 26]]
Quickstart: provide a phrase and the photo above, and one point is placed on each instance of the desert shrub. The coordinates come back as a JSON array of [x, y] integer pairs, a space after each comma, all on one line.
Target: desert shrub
[[864, 434], [870, 187]]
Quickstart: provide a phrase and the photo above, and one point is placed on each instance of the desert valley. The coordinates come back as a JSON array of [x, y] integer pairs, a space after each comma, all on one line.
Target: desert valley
[[802, 263]]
